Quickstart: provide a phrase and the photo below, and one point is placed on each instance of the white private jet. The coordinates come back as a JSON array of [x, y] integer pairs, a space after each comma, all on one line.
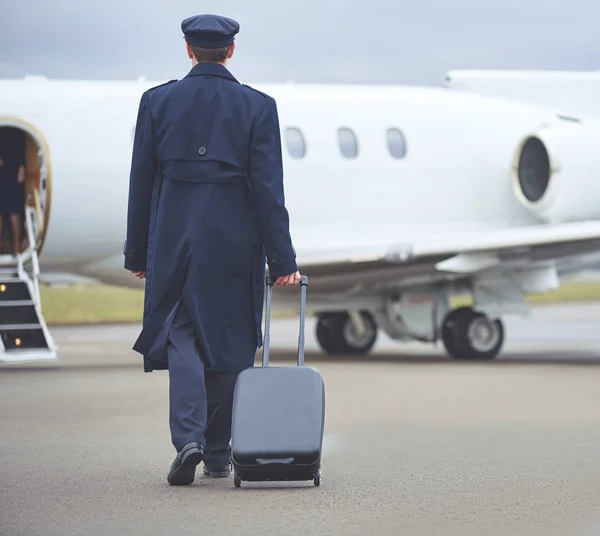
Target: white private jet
[[399, 197]]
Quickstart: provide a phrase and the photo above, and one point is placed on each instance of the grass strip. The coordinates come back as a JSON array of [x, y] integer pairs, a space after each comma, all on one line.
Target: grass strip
[[104, 304]]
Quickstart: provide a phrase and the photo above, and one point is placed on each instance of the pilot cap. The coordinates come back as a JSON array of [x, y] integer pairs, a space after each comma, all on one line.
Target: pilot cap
[[209, 31]]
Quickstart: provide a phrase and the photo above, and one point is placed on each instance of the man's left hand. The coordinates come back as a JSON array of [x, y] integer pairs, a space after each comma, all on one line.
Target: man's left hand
[[288, 280], [140, 275]]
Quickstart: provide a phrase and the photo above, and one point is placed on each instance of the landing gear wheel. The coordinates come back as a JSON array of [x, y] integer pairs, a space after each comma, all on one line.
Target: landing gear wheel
[[317, 479], [237, 481], [336, 334], [470, 335], [323, 333], [448, 331]]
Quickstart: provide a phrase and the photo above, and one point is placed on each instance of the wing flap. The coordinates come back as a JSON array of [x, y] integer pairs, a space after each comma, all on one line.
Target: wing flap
[[458, 252], [512, 238]]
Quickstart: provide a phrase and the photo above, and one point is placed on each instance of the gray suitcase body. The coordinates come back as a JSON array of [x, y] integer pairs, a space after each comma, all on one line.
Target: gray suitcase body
[[278, 416]]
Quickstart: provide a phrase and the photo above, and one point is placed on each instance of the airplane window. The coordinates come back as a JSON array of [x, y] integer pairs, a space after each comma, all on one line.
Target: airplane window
[[348, 142], [294, 141], [396, 143]]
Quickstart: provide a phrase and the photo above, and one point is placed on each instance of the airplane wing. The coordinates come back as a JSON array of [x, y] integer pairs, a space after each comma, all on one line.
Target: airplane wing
[[450, 255]]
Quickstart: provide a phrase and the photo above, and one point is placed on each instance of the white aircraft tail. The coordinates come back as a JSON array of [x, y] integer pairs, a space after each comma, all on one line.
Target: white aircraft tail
[[24, 336]]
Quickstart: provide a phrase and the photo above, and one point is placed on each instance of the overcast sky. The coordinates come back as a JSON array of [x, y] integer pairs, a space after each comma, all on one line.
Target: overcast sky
[[374, 41]]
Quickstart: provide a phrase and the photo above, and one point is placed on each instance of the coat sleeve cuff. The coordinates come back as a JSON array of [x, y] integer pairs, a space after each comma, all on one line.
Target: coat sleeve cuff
[[286, 268], [135, 260]]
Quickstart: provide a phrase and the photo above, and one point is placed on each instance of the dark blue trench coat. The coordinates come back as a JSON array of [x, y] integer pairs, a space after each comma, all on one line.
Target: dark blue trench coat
[[206, 209]]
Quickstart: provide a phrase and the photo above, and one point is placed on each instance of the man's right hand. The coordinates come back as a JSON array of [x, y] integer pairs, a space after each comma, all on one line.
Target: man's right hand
[[288, 280]]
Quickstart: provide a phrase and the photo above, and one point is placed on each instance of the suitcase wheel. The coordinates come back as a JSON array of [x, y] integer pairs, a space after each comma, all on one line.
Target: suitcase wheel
[[237, 481], [317, 478]]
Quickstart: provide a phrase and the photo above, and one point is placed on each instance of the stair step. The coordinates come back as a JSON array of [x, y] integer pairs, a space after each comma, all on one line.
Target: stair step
[[23, 338], [8, 260], [18, 314], [29, 354], [19, 327], [16, 303], [14, 291]]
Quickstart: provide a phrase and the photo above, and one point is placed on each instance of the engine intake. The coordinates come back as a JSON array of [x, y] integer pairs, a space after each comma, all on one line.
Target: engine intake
[[533, 169], [556, 173]]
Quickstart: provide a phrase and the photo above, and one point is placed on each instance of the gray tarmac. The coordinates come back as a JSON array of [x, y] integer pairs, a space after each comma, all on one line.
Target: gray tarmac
[[414, 443]]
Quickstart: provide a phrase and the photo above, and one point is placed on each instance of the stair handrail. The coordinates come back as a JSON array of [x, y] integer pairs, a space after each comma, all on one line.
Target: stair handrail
[[30, 214], [38, 210]]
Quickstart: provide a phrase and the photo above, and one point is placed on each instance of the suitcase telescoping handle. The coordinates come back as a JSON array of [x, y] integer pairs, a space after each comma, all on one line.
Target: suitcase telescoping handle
[[267, 343]]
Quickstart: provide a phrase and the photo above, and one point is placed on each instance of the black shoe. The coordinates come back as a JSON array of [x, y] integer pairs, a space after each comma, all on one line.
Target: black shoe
[[221, 473], [183, 468]]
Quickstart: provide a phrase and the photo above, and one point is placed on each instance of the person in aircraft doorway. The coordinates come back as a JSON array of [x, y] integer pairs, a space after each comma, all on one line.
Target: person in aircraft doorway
[[12, 182]]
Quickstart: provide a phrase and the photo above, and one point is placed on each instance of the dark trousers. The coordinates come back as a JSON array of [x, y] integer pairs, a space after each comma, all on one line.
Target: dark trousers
[[201, 401]]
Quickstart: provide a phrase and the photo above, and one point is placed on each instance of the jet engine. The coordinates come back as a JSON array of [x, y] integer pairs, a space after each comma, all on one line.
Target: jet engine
[[556, 173]]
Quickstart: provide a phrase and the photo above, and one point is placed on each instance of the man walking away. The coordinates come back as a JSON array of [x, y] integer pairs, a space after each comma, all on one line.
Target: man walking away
[[206, 204]]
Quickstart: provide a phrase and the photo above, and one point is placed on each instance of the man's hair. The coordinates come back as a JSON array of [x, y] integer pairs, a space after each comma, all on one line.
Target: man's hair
[[217, 55]]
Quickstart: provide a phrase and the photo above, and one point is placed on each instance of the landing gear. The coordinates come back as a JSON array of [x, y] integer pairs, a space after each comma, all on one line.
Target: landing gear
[[470, 335], [336, 333], [237, 481]]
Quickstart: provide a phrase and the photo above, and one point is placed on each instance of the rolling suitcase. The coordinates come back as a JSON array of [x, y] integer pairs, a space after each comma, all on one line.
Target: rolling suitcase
[[278, 415]]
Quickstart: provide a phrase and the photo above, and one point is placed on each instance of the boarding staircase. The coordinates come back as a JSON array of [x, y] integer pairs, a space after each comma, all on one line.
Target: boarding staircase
[[24, 335]]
